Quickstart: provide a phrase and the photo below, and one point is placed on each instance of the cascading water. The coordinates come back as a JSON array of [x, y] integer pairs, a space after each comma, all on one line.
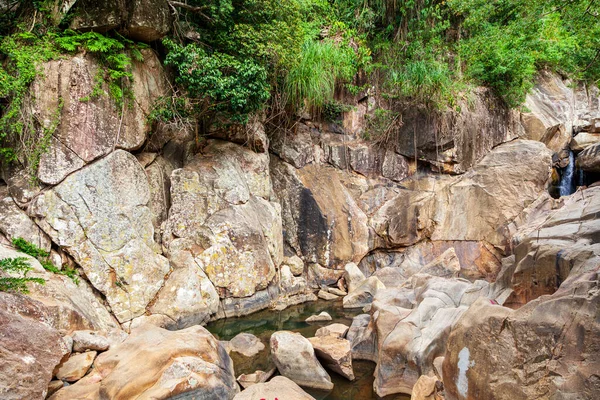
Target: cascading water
[[567, 185]]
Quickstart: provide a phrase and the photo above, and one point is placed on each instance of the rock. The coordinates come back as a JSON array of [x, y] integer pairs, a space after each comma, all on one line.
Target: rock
[[91, 129], [21, 187], [252, 135], [427, 388], [335, 354], [319, 276], [323, 221], [279, 387], [108, 230], [395, 166], [159, 364], [14, 223], [363, 338], [536, 350], [29, 350], [67, 306], [159, 173], [445, 265], [295, 147], [247, 380], [295, 359], [409, 340], [589, 159], [324, 316], [456, 140], [149, 20], [54, 386], [76, 366], [478, 206], [584, 140], [336, 291], [325, 295], [246, 344], [336, 330], [363, 294], [99, 17], [295, 264], [89, 340], [563, 242], [188, 297], [353, 276]]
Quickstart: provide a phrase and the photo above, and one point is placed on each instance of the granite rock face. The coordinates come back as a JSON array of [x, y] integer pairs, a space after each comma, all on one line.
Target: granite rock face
[[105, 224]]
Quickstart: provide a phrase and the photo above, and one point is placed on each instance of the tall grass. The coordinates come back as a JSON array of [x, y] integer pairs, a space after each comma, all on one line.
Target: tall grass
[[322, 65]]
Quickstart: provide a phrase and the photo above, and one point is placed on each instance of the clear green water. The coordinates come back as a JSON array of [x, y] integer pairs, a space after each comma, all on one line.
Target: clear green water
[[264, 323]]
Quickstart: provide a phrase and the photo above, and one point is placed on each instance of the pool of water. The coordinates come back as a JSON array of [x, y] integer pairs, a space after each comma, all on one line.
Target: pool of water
[[263, 323]]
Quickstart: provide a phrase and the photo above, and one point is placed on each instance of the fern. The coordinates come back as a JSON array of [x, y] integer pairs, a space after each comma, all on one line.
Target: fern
[[18, 284], [42, 256]]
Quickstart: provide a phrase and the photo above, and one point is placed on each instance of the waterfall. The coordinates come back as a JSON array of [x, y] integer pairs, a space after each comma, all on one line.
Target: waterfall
[[567, 186]]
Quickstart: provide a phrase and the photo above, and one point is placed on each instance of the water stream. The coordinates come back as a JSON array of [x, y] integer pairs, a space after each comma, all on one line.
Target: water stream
[[264, 323], [567, 183]]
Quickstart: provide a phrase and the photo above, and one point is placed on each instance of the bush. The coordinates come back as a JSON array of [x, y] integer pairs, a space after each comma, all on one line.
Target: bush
[[21, 267], [43, 257]]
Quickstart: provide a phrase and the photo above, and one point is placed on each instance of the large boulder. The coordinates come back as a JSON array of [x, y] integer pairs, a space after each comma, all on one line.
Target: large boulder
[[564, 242], [481, 204], [29, 349], [159, 364], [410, 339], [104, 223], [87, 130], [548, 349], [456, 140], [323, 221], [67, 305], [335, 353], [149, 20], [279, 387], [589, 159], [295, 359]]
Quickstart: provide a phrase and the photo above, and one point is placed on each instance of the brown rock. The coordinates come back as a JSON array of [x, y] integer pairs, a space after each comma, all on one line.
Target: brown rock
[[89, 340], [427, 388], [589, 159], [336, 330], [76, 366], [247, 380], [279, 387], [335, 353]]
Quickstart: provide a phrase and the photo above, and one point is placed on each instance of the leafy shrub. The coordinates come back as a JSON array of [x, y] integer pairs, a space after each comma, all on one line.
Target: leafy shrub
[[43, 257], [218, 84], [20, 266]]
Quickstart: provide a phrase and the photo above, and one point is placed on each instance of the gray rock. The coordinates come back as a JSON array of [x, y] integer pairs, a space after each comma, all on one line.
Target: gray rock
[[353, 276], [324, 316], [89, 340], [295, 359], [325, 295], [246, 344], [363, 295], [335, 353]]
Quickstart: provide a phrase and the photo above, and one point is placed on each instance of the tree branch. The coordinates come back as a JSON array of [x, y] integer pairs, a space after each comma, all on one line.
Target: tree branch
[[195, 10]]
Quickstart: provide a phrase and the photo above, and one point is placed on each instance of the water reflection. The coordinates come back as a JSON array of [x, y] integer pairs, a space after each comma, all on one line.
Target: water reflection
[[264, 323]]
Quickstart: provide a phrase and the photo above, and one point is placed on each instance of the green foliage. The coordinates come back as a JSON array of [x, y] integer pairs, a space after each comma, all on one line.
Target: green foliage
[[25, 53], [323, 64], [17, 266], [217, 83], [43, 257], [332, 111], [381, 125]]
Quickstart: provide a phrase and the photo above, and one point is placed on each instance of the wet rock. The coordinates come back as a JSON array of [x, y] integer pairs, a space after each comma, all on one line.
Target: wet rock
[[363, 295], [247, 380], [336, 330], [335, 354], [325, 295], [295, 359], [353, 276], [589, 159], [156, 363], [29, 350], [109, 231], [279, 387], [324, 316], [89, 340], [246, 344], [545, 349], [584, 140], [76, 366]]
